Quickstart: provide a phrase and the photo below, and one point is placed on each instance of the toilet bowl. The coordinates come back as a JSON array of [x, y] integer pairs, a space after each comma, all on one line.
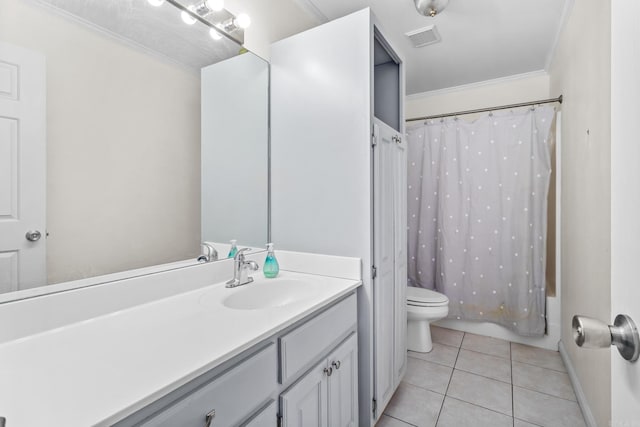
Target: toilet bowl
[[423, 307]]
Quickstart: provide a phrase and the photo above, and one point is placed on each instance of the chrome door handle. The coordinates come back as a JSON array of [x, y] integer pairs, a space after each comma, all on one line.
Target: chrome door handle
[[336, 364], [209, 418], [592, 333], [33, 235], [328, 371]]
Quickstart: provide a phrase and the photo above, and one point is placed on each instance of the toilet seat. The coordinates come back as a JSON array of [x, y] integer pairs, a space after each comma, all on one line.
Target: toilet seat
[[420, 297]]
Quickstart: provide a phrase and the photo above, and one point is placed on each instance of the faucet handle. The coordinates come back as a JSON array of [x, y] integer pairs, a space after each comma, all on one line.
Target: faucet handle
[[239, 256]]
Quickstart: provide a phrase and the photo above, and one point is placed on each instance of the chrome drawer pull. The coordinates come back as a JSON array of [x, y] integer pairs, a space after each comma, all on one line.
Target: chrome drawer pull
[[328, 371], [209, 418], [336, 364]]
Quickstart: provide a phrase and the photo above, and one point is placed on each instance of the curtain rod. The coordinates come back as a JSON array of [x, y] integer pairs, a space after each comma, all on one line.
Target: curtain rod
[[483, 110]]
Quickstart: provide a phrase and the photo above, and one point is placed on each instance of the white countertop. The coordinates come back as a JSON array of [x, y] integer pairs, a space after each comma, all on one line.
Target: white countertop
[[100, 370]]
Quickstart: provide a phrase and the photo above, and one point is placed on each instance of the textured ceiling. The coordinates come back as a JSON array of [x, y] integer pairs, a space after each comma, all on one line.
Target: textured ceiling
[[481, 40], [157, 29]]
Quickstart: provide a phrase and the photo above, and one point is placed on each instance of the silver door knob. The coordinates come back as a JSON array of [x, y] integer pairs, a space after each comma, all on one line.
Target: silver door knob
[[592, 333], [33, 235]]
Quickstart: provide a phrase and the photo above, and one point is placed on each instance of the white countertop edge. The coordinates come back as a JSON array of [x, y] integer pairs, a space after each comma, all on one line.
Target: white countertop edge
[[174, 385]]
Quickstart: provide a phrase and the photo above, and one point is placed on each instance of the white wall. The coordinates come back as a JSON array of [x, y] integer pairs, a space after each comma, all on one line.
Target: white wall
[[510, 90], [271, 20], [235, 179], [123, 148], [581, 71]]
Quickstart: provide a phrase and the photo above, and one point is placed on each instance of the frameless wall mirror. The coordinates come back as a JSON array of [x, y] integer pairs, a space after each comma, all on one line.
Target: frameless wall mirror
[[102, 108]]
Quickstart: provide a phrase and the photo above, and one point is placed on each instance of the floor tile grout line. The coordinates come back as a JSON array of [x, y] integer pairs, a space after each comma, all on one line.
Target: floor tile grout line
[[450, 378], [484, 354], [513, 409], [430, 361], [399, 419], [528, 422], [538, 366], [480, 375], [422, 387], [445, 344], [479, 406], [546, 394]]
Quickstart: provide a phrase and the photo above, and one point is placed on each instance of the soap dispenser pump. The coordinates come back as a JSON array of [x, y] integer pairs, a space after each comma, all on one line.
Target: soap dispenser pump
[[271, 267], [233, 250]]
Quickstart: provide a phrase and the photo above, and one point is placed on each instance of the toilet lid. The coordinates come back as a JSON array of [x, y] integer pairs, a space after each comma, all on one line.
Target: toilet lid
[[421, 296]]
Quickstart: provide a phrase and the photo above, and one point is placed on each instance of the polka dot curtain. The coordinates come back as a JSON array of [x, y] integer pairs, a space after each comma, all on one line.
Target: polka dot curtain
[[477, 194]]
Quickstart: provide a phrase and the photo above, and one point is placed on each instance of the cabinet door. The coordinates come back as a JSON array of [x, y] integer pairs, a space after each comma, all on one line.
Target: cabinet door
[[305, 403], [384, 288], [343, 384]]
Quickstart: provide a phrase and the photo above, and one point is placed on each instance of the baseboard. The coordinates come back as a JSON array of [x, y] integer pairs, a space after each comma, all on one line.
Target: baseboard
[[577, 387]]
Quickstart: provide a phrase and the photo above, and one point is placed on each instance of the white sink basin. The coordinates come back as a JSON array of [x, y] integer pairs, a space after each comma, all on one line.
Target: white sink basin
[[265, 294]]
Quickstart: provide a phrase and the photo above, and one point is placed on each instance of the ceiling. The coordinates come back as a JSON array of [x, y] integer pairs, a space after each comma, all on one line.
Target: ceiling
[[481, 39], [157, 30]]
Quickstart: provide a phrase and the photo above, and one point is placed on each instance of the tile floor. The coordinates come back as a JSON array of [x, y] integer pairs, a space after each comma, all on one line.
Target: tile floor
[[472, 380]]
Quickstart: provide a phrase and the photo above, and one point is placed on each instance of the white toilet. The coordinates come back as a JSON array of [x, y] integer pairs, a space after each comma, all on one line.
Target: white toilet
[[423, 307]]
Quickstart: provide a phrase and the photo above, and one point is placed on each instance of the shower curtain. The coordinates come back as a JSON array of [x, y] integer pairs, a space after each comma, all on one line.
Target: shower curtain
[[477, 194]]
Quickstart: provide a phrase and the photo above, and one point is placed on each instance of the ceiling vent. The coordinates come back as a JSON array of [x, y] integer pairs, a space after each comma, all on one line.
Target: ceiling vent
[[424, 36]]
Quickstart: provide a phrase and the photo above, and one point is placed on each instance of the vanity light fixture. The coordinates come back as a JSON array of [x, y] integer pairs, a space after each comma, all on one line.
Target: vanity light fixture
[[215, 34], [430, 7], [186, 18], [214, 5], [221, 22], [242, 21]]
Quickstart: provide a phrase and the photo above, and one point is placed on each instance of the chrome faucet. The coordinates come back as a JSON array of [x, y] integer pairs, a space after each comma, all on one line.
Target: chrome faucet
[[209, 253], [241, 269]]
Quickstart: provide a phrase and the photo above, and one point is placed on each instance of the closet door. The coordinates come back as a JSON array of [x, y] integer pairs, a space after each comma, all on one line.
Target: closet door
[[384, 289], [400, 255]]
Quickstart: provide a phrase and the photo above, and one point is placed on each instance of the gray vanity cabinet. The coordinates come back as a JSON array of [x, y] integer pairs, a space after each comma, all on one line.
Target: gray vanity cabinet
[[228, 399], [309, 371], [327, 395]]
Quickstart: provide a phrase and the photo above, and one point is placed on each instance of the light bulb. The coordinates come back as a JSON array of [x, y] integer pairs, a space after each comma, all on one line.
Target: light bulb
[[188, 19], [156, 3], [215, 5], [214, 34], [242, 21]]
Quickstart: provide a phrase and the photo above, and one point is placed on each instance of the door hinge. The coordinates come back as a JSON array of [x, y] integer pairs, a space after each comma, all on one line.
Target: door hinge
[[374, 136], [374, 407], [374, 272]]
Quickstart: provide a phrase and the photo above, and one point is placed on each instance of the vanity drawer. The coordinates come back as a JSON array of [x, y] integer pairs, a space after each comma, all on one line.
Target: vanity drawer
[[302, 346], [234, 395]]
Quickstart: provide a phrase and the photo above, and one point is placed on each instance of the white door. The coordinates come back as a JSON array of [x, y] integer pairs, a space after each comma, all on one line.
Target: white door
[[22, 168], [305, 403], [343, 384], [389, 221], [625, 202], [383, 247], [400, 252]]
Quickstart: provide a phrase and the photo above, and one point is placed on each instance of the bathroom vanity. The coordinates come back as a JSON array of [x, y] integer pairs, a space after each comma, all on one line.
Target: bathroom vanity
[[284, 347]]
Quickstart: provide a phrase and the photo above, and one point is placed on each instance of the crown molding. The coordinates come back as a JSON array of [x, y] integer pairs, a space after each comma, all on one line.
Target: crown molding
[[500, 80]]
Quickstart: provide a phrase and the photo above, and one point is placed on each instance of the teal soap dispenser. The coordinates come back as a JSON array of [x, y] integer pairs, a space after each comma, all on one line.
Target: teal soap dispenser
[[271, 267], [233, 250]]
